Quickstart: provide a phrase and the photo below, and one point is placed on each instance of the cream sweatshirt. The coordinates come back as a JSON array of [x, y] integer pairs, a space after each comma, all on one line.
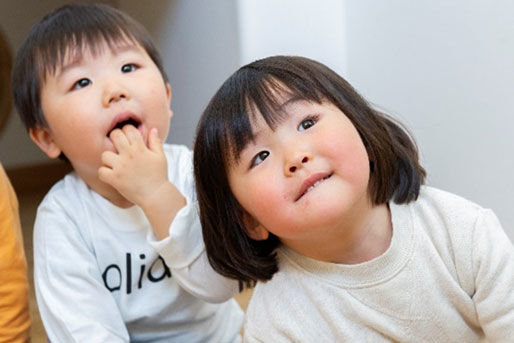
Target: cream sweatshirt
[[447, 276]]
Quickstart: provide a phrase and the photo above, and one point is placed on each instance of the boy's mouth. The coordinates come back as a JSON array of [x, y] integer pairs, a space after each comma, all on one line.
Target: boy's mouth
[[128, 121]]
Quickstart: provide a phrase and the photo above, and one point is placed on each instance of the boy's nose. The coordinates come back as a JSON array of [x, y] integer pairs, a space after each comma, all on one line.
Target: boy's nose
[[114, 93], [296, 162]]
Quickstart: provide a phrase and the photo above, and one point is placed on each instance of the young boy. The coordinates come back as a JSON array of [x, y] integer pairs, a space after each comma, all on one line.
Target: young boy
[[91, 89]]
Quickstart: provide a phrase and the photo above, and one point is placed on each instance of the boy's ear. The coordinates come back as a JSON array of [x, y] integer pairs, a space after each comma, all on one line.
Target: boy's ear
[[44, 140], [254, 229]]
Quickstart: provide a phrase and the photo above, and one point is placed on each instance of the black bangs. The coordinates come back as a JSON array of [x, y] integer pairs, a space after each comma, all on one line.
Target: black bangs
[[63, 39], [253, 91]]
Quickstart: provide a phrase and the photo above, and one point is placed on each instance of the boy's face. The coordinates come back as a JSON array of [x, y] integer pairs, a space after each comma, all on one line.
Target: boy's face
[[87, 97], [304, 181]]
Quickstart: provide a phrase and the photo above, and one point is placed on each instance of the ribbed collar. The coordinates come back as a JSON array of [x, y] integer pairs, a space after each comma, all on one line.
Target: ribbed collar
[[369, 273]]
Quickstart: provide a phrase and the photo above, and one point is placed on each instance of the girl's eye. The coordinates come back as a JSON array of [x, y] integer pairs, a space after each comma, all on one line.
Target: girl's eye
[[81, 83], [129, 67], [307, 123], [259, 158]]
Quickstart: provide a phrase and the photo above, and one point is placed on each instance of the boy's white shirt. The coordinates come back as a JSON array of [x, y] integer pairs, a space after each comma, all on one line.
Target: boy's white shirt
[[448, 276], [99, 277]]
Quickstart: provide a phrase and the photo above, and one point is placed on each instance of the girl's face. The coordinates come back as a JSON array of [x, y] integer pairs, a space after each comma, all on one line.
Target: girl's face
[[304, 181]]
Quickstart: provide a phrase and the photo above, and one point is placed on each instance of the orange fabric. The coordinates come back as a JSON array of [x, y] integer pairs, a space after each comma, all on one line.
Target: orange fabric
[[14, 288]]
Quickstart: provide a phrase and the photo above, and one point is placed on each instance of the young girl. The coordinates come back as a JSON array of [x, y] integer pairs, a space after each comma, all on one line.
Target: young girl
[[316, 197]]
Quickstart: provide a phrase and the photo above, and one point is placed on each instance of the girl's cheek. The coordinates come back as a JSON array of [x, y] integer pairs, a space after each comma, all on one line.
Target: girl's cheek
[[264, 194]]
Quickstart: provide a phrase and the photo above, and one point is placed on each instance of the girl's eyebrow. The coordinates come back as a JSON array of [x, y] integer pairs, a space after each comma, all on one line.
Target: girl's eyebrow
[[122, 48], [291, 101]]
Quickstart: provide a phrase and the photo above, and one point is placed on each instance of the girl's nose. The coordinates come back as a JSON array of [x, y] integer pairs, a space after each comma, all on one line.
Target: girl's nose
[[296, 163], [113, 93]]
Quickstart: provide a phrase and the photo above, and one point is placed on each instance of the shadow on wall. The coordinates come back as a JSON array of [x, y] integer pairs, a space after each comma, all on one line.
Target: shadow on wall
[[151, 16]]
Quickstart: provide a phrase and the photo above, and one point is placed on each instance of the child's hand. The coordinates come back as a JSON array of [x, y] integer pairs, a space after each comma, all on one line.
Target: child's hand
[[136, 171], [140, 174]]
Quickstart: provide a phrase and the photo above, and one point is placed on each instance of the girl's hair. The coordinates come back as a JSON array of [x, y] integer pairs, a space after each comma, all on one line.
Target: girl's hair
[[70, 29], [224, 130]]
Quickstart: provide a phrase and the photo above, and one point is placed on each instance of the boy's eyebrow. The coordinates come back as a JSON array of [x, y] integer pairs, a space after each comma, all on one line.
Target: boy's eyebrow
[[78, 57], [67, 66]]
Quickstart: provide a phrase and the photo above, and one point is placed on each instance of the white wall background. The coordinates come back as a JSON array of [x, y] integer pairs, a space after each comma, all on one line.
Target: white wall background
[[314, 29], [199, 42], [445, 68]]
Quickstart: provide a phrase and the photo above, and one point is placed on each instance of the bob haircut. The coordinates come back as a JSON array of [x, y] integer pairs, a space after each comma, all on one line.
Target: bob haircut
[[65, 34], [224, 130]]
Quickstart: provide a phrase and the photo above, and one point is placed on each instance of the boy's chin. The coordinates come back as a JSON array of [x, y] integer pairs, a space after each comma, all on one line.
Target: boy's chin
[[110, 145], [113, 196]]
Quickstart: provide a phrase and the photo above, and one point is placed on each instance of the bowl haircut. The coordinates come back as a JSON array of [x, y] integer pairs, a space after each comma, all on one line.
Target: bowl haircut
[[224, 130], [61, 37]]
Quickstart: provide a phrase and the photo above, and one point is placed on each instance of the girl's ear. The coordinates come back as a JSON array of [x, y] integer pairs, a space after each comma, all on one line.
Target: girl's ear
[[168, 95], [44, 140], [254, 229]]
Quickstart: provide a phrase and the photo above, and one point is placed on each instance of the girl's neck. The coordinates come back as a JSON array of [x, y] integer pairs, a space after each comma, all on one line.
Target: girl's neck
[[361, 238], [368, 240]]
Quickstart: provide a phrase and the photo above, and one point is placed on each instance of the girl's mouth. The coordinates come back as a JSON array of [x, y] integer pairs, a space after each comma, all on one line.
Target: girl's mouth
[[311, 183]]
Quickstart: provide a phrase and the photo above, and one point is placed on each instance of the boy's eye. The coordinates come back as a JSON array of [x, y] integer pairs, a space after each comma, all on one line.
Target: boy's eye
[[81, 83], [129, 67], [259, 158], [307, 123]]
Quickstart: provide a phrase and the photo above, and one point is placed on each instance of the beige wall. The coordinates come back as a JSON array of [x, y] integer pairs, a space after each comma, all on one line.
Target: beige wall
[[16, 19]]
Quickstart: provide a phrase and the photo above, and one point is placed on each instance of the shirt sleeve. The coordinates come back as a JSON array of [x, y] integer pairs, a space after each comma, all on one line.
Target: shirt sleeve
[[14, 289], [184, 252], [69, 287], [493, 266]]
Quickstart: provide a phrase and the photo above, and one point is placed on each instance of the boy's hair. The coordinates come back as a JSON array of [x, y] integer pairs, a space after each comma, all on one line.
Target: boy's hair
[[224, 130], [69, 29]]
